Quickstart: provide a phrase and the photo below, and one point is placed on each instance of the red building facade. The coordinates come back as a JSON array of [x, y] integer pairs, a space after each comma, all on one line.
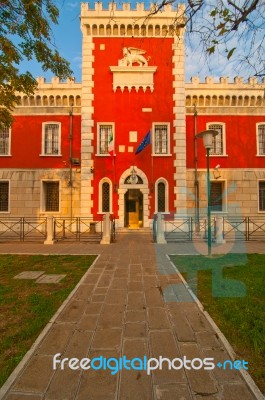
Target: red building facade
[[57, 157]]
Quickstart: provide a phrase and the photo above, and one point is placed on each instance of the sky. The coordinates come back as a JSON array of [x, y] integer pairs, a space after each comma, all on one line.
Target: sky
[[68, 40]]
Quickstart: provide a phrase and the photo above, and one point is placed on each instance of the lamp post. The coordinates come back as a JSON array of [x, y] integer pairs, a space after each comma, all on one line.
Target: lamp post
[[207, 137]]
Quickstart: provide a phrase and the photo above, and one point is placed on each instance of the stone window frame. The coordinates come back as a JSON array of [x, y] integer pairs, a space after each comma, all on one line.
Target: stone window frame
[[58, 153], [257, 139], [43, 196], [208, 126], [2, 132], [99, 124], [224, 196], [100, 208], [162, 180], [258, 190], [153, 139], [8, 200]]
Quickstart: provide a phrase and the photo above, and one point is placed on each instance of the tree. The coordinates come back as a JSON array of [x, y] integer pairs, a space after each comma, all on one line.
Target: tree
[[25, 33], [233, 28]]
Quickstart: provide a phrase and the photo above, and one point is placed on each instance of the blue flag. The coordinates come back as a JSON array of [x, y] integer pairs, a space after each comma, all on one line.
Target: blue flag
[[145, 142]]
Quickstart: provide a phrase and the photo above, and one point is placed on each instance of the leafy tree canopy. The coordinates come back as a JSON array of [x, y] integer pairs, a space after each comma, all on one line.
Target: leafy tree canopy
[[25, 33], [235, 29]]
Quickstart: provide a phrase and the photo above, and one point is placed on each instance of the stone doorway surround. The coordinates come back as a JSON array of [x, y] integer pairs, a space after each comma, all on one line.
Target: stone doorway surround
[[123, 188]]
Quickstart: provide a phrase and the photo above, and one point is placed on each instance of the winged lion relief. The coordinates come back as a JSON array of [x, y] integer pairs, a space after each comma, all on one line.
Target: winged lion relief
[[132, 55]]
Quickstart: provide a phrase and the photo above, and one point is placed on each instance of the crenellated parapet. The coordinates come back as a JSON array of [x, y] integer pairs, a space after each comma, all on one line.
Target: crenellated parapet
[[53, 94], [225, 94], [127, 21]]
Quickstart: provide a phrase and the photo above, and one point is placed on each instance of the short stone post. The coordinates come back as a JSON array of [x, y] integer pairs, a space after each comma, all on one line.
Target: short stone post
[[106, 238], [160, 235], [219, 230], [50, 237]]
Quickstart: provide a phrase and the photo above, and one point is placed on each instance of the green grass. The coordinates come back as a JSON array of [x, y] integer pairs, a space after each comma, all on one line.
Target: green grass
[[27, 306], [232, 290]]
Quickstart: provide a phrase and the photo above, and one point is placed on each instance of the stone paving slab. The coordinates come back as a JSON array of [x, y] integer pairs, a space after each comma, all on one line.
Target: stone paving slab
[[29, 275], [52, 278], [127, 304]]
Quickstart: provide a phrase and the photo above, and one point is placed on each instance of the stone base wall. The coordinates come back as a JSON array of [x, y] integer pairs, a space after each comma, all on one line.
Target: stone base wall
[[25, 192], [240, 196]]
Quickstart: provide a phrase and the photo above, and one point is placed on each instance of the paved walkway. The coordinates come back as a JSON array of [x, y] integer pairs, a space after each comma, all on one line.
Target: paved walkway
[[119, 309]]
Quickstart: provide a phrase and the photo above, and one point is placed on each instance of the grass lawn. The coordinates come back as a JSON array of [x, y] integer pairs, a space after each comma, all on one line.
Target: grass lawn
[[235, 299], [27, 306]]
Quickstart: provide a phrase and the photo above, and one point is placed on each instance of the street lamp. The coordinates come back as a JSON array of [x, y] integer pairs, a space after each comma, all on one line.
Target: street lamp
[[207, 137]]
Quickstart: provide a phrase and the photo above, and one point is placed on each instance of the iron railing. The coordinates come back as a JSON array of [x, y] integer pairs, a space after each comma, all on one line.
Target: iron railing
[[235, 228], [23, 228], [77, 229]]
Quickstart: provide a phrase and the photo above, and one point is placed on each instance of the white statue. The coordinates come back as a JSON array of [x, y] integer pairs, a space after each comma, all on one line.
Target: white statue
[[132, 55]]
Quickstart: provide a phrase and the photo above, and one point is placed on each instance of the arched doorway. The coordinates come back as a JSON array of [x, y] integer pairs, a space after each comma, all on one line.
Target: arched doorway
[[133, 216], [133, 200]]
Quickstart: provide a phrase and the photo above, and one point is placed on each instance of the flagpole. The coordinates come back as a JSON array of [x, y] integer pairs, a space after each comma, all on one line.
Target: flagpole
[[152, 163]]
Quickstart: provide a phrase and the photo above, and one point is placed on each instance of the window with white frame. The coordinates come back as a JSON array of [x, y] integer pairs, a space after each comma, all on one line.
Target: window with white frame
[[4, 141], [4, 196], [261, 139], [105, 199], [160, 139], [261, 195], [51, 139], [217, 196], [105, 138], [51, 196], [218, 148], [161, 199]]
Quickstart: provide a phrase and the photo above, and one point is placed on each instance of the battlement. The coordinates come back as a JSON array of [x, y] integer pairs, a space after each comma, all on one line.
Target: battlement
[[127, 21], [238, 81]]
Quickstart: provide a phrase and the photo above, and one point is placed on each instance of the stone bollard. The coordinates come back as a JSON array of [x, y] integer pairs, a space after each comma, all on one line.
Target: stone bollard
[[106, 238], [160, 235], [219, 230], [49, 238]]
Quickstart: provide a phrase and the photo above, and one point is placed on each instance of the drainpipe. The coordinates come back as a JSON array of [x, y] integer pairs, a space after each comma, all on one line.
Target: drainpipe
[[70, 160], [196, 182]]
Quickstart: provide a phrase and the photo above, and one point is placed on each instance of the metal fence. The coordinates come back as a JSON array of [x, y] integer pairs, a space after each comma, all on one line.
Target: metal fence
[[246, 228], [23, 229], [77, 229]]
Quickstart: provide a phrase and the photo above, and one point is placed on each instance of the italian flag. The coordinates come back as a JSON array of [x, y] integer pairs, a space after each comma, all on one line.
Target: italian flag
[[111, 146]]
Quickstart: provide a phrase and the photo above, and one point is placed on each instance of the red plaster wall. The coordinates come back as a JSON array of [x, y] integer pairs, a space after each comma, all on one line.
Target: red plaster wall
[[125, 110], [26, 142], [241, 145]]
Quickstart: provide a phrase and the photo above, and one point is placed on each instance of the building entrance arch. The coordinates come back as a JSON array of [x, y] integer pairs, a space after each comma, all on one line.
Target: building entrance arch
[[134, 199]]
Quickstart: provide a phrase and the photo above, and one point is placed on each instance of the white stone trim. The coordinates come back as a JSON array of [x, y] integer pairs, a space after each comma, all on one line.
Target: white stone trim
[[258, 181], [42, 197], [98, 154], [257, 138], [223, 124], [168, 153], [43, 154], [163, 180], [103, 180]]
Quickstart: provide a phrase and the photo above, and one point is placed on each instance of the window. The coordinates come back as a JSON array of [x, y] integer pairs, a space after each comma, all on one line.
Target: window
[[105, 197], [161, 139], [105, 137], [51, 196], [4, 196], [217, 199], [51, 139], [4, 141], [261, 195], [261, 139], [218, 140], [161, 197]]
